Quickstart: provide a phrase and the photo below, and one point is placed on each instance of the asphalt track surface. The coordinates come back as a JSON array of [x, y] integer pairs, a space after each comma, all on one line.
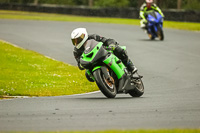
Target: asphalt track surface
[[171, 78]]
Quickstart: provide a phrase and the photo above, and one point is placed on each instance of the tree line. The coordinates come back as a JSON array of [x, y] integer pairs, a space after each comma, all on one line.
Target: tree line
[[163, 4]]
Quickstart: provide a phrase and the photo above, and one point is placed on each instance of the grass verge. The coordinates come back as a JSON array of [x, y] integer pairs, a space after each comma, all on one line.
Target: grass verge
[[127, 131], [6, 14], [27, 73]]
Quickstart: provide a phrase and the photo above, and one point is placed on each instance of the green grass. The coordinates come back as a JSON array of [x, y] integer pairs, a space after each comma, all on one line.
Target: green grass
[[27, 73], [126, 131], [58, 17]]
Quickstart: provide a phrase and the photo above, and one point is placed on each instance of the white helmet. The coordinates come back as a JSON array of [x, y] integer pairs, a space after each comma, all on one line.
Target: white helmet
[[149, 1], [79, 37]]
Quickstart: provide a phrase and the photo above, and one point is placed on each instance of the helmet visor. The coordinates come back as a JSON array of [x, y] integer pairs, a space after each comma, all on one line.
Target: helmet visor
[[76, 41]]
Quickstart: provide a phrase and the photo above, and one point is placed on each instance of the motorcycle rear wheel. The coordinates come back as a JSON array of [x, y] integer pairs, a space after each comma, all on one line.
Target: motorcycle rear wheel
[[106, 87], [139, 88]]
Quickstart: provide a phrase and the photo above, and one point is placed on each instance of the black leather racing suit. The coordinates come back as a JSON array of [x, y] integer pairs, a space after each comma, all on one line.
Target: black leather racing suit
[[118, 51]]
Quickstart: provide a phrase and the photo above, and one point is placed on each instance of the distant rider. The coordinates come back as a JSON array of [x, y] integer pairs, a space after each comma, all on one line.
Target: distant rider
[[149, 5], [80, 38]]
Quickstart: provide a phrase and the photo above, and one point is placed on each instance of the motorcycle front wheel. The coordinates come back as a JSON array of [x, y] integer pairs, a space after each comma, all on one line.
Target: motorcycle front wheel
[[107, 87], [139, 88], [160, 33]]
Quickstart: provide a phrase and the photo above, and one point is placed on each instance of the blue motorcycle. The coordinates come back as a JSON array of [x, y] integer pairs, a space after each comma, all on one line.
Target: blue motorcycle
[[155, 25]]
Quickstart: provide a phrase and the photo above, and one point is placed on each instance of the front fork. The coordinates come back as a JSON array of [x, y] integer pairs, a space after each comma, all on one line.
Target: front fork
[[90, 74]]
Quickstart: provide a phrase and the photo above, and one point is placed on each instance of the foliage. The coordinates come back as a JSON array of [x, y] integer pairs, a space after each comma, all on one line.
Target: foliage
[[163, 4], [192, 5], [111, 3], [172, 4], [186, 4], [133, 3], [64, 2]]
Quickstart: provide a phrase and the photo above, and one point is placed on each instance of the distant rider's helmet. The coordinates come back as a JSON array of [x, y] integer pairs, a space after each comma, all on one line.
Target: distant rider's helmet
[[79, 36], [149, 3]]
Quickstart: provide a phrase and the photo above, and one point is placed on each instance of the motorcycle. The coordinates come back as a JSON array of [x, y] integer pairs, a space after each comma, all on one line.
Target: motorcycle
[[155, 25], [109, 73]]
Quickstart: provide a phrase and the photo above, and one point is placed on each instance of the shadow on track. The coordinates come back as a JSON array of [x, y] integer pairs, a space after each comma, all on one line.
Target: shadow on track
[[102, 98], [149, 40]]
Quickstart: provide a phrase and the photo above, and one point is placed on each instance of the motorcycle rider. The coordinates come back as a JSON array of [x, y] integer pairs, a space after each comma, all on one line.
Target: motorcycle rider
[[80, 38], [148, 5]]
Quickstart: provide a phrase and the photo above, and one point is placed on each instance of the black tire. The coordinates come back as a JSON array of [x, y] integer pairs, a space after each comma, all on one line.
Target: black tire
[[109, 92], [151, 37], [160, 33], [139, 88]]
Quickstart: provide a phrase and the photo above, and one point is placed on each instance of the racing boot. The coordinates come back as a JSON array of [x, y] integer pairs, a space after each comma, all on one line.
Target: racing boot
[[131, 67], [122, 54]]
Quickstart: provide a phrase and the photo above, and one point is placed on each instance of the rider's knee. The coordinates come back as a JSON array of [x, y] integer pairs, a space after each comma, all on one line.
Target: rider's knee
[[110, 42], [121, 53]]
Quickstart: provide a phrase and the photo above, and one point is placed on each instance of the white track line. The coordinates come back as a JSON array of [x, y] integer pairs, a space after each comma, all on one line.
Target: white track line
[[84, 93]]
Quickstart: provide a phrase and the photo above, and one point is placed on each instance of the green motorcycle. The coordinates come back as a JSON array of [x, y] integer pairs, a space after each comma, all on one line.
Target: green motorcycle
[[108, 71]]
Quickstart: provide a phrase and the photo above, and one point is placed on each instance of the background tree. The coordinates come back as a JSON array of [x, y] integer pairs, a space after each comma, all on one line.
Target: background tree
[[179, 2], [140, 2], [133, 3], [192, 5], [90, 3], [35, 2], [111, 3], [159, 3]]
